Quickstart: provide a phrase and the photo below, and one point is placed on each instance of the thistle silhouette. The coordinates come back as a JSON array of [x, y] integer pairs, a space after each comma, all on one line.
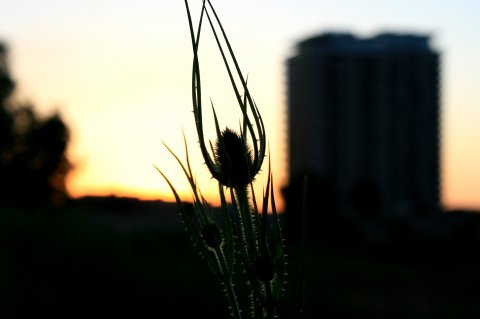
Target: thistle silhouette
[[246, 240]]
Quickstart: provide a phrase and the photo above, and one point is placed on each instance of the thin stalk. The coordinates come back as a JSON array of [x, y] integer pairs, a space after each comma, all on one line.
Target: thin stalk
[[241, 194], [303, 249], [232, 298], [269, 306], [240, 228]]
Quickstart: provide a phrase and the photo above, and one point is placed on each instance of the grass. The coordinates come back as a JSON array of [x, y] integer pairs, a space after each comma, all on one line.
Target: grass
[[65, 266]]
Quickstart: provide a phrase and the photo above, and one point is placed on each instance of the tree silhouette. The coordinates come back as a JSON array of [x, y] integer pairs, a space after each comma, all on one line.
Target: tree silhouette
[[33, 161]]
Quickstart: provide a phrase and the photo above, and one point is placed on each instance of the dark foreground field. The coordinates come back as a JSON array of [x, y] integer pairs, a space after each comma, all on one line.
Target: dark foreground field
[[84, 262]]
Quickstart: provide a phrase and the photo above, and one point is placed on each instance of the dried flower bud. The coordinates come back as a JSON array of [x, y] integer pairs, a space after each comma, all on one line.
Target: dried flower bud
[[212, 236], [264, 268], [234, 160]]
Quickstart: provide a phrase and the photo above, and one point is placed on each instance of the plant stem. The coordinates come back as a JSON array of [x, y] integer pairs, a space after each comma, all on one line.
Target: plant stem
[[232, 298], [269, 305], [250, 229]]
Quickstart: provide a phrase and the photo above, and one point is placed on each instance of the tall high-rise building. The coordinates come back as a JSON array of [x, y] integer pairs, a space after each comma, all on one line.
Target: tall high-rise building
[[364, 115]]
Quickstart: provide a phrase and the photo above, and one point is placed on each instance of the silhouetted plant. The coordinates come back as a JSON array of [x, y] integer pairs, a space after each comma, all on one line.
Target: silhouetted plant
[[242, 241]]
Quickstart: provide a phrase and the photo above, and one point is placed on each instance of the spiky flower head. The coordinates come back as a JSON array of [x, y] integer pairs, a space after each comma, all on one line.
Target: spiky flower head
[[212, 235], [234, 159]]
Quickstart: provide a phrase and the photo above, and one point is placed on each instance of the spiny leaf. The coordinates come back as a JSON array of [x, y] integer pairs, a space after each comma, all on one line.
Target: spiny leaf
[[195, 235]]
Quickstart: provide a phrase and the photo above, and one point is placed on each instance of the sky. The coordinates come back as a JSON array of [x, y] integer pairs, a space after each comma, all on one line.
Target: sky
[[118, 72]]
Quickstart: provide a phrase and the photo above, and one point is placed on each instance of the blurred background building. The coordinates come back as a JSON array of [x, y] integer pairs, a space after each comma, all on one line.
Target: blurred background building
[[363, 120]]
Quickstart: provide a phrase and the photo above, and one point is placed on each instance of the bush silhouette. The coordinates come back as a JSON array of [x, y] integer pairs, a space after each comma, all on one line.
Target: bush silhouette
[[33, 162]]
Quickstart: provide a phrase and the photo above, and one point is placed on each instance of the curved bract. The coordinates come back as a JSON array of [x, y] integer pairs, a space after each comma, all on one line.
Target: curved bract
[[252, 128]]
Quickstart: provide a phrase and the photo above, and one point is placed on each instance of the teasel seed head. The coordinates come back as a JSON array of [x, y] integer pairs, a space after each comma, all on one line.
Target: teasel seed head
[[264, 268], [234, 159], [212, 235]]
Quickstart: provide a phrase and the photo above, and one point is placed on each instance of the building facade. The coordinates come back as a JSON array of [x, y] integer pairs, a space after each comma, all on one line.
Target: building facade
[[364, 114]]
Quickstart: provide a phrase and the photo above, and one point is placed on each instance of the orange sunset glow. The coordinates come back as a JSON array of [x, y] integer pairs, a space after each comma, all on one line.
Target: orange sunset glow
[[119, 73]]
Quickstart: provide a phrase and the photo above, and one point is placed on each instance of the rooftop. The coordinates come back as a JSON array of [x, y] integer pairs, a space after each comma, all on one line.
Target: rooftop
[[384, 42]]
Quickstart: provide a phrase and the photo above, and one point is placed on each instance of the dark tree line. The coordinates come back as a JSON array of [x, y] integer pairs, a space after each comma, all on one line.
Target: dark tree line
[[33, 161]]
